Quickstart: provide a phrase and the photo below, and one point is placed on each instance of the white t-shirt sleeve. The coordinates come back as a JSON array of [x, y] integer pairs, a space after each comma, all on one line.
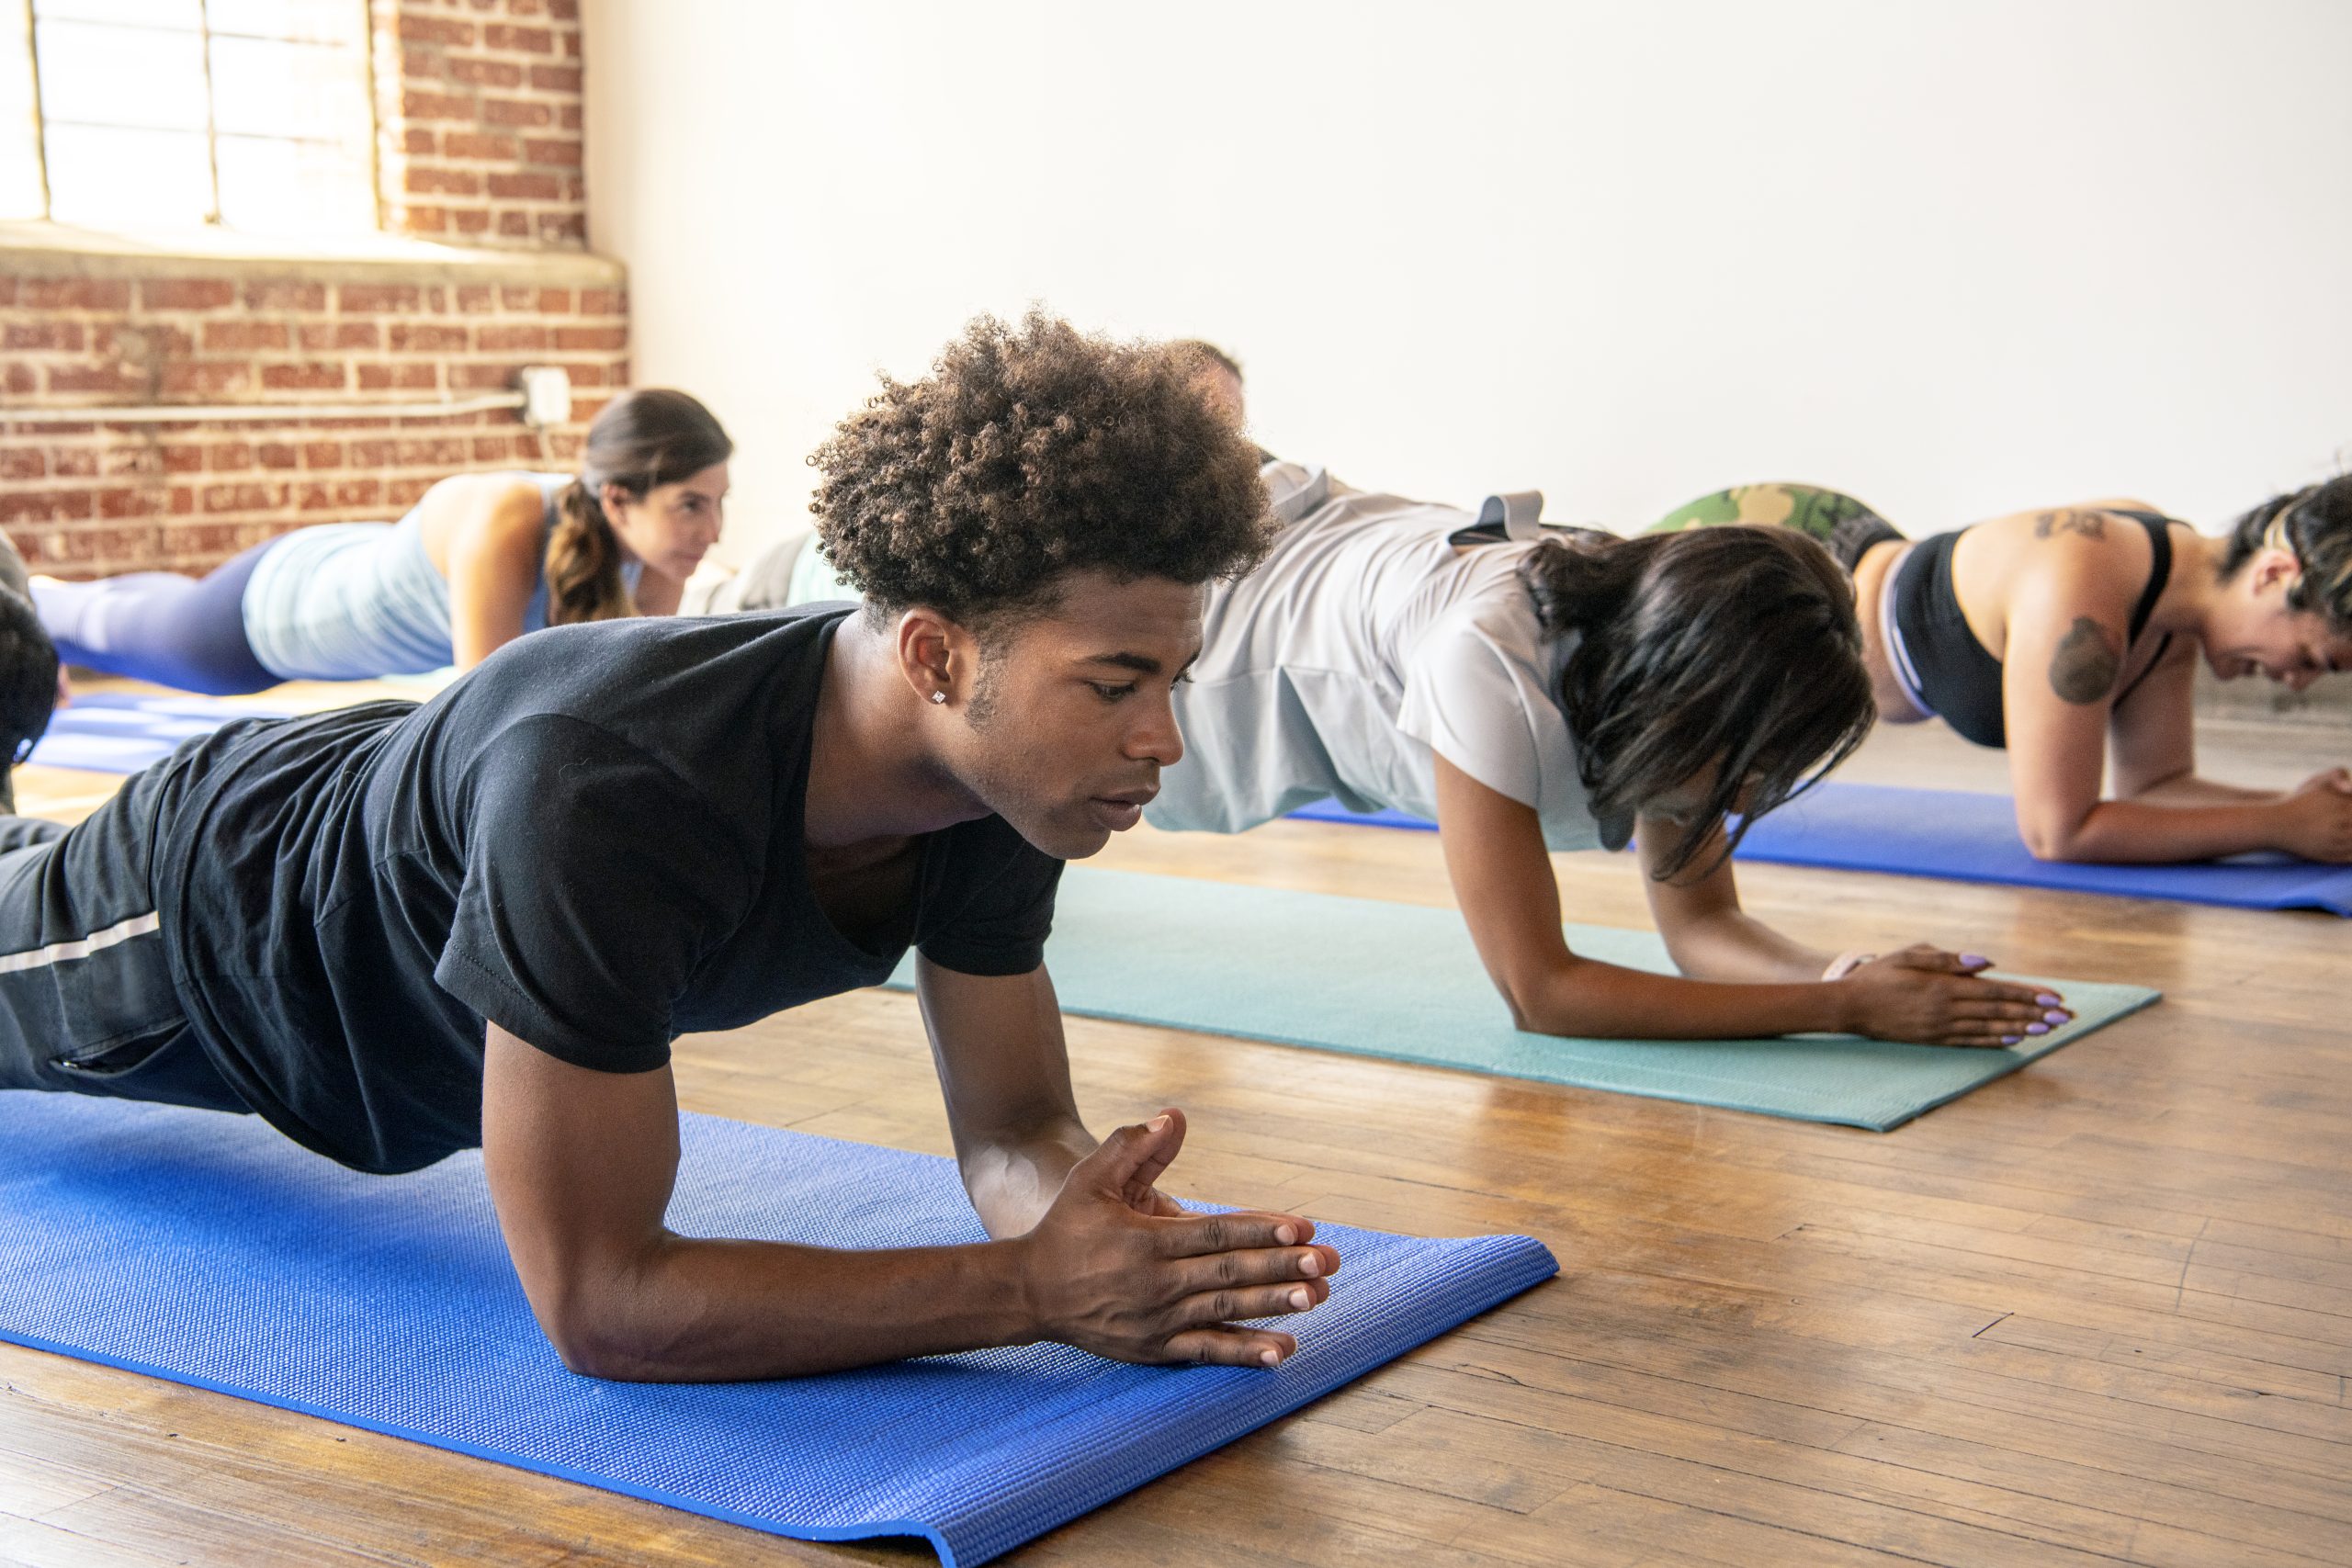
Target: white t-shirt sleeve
[[1466, 700]]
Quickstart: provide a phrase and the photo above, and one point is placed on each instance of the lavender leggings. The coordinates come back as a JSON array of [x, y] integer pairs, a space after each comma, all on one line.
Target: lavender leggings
[[158, 625]]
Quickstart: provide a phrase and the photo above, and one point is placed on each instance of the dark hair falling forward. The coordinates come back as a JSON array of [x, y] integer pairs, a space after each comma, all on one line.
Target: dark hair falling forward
[[1731, 648], [641, 439], [2315, 522]]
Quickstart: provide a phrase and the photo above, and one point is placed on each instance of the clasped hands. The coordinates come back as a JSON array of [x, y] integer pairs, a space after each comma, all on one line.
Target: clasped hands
[[1117, 1267]]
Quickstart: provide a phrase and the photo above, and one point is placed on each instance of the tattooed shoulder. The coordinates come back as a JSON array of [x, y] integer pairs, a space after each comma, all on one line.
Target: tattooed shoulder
[[2082, 669], [2070, 520]]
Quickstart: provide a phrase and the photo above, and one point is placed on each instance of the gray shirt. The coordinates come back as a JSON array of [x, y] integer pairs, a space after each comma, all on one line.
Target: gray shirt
[[1364, 647]]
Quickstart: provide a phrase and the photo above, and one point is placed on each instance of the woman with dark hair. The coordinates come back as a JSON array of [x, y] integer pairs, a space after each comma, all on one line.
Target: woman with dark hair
[[1537, 694], [1532, 694], [479, 560], [2071, 636]]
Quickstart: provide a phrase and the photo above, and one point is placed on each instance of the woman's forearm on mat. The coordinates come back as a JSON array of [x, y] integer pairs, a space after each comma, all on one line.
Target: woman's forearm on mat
[[1585, 997], [2188, 789], [699, 1311], [2140, 833], [1734, 946]]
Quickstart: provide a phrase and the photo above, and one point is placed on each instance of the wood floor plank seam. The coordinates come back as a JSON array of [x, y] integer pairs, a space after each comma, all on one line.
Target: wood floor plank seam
[[2315, 1467], [2217, 1498]]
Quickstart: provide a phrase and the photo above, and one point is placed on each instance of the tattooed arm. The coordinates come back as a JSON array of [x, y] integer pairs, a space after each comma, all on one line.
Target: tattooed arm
[[2152, 738], [2063, 665]]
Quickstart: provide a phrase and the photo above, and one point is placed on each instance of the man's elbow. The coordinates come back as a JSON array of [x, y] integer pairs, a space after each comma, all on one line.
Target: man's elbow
[[595, 1349], [594, 1335]]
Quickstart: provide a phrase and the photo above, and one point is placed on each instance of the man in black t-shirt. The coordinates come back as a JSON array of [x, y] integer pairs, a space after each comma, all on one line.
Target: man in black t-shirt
[[398, 932]]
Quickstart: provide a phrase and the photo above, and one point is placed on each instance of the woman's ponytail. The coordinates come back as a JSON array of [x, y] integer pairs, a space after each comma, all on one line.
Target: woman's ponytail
[[584, 562]]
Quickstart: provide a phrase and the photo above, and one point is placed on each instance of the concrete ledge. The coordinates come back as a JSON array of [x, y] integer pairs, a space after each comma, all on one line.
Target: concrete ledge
[[59, 250]]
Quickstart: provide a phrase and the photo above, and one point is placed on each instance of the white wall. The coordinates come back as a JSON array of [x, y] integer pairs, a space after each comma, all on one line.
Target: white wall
[[1959, 258]]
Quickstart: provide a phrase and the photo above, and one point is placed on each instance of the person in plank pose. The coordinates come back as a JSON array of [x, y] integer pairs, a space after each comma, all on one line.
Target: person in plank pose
[[2070, 637], [478, 561], [397, 932], [1565, 690], [1539, 692]]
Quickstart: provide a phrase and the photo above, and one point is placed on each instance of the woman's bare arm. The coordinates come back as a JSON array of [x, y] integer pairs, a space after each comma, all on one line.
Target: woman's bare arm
[[2152, 740], [492, 535], [1502, 878], [2061, 671], [1706, 932]]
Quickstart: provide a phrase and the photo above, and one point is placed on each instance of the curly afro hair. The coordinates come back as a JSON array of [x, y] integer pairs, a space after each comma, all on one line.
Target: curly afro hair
[[1027, 454]]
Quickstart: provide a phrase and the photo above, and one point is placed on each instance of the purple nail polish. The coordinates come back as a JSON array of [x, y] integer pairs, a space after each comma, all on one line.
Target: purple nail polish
[[1975, 960], [2055, 1017], [2037, 1029], [2046, 999], [2010, 1039]]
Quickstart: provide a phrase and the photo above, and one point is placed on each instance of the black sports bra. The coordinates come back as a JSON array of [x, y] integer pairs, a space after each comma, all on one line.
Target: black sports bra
[[1956, 678]]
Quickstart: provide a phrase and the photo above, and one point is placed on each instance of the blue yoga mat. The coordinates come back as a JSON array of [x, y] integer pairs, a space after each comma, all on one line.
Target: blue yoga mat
[[209, 1250], [111, 732], [1966, 837], [1371, 978]]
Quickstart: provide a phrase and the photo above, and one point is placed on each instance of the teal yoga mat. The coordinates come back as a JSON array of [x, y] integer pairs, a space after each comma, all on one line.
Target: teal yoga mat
[[1399, 980]]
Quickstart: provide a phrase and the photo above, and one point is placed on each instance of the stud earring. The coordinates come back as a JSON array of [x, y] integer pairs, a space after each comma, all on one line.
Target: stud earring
[[938, 697]]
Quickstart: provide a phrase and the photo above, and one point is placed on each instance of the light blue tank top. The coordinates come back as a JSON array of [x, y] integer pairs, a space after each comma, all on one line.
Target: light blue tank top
[[350, 601]]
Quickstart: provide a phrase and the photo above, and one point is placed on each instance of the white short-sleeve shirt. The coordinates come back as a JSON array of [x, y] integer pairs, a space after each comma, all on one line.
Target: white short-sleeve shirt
[[1364, 647]]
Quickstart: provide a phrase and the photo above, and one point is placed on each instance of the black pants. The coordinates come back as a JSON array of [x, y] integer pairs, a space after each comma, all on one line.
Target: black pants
[[87, 1003]]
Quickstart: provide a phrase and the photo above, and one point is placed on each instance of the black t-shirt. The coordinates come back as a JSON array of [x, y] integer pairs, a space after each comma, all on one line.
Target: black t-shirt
[[596, 840]]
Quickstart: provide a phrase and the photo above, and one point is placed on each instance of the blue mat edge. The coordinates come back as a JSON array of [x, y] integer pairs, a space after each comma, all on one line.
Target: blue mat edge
[[2316, 902], [1501, 1267], [1329, 810], [1512, 1265], [472, 1451]]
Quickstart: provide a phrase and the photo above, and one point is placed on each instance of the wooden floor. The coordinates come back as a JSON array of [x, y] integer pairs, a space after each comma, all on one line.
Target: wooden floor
[[2098, 1312]]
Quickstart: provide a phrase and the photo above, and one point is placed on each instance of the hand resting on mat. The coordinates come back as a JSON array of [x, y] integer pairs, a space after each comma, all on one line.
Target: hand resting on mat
[[1933, 998], [1739, 976], [582, 1165], [2315, 819], [1117, 1269]]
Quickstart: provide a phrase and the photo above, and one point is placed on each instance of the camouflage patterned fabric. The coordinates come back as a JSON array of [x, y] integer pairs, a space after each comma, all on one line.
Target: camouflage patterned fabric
[[1845, 525]]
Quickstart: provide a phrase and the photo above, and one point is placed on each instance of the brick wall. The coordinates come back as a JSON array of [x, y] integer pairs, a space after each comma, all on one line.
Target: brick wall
[[478, 113], [91, 498]]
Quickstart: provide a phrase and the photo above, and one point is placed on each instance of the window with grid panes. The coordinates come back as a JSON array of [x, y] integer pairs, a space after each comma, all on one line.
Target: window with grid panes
[[254, 115]]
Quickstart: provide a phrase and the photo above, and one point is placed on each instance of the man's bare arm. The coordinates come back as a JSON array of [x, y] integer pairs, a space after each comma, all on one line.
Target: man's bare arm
[[582, 1165], [1004, 1071]]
